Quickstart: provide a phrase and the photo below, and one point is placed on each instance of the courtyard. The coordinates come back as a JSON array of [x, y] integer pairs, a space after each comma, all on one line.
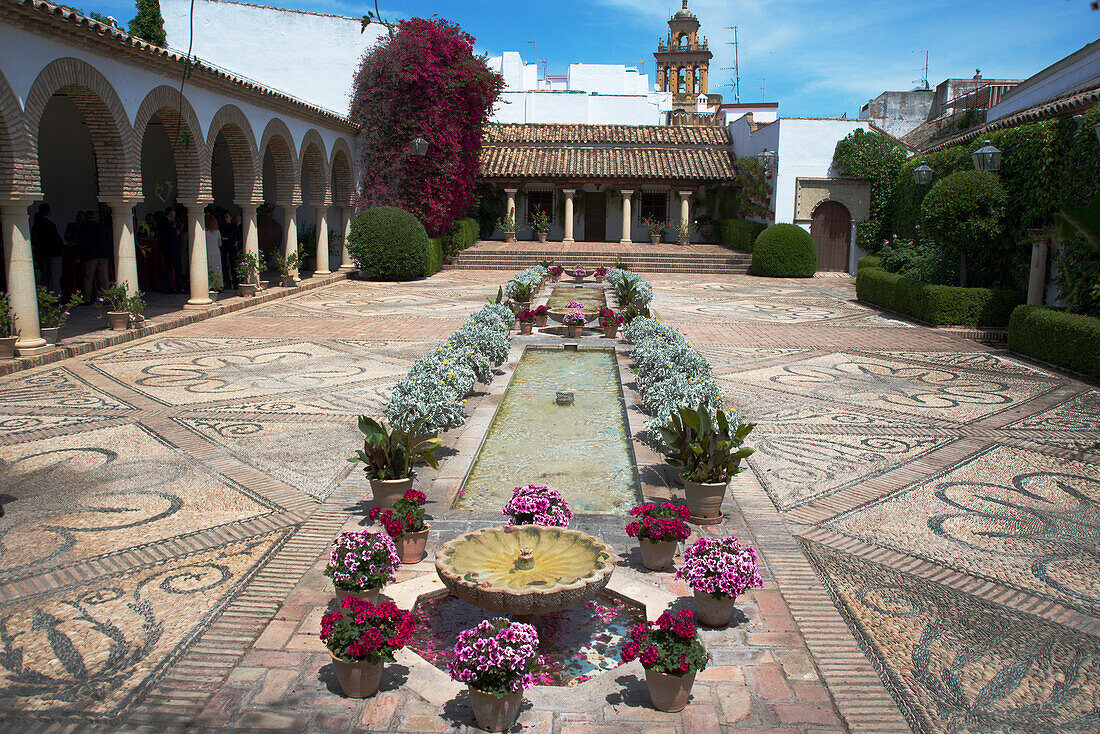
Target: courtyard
[[924, 507]]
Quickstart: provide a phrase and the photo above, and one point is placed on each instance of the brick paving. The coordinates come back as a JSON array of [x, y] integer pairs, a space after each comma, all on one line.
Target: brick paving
[[923, 505]]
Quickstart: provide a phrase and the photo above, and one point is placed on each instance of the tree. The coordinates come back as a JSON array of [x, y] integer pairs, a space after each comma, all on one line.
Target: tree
[[423, 82], [871, 155], [149, 23], [752, 199], [965, 210]]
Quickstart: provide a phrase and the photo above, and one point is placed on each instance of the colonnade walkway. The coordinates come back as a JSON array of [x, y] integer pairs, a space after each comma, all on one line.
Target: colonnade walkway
[[924, 506]]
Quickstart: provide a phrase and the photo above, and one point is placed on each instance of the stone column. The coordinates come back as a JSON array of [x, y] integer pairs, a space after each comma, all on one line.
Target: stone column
[[689, 80], [251, 235], [200, 269], [511, 202], [346, 214], [290, 234], [1037, 282], [567, 238], [322, 240], [627, 193], [22, 294], [122, 215], [703, 81], [685, 210]]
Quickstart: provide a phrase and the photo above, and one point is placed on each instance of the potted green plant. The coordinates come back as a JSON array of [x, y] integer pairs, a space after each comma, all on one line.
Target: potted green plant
[[656, 228], [248, 274], [52, 314], [706, 226], [671, 652], [214, 279], [361, 562], [508, 226], [388, 456], [599, 273], [404, 522], [683, 232], [114, 299], [526, 321], [540, 312], [284, 266], [495, 660], [708, 453], [540, 224], [135, 306], [360, 638], [555, 272], [8, 333], [610, 321], [574, 324], [658, 528], [719, 570]]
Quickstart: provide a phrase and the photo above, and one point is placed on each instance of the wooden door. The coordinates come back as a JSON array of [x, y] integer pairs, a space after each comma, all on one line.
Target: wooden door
[[831, 228], [595, 216]]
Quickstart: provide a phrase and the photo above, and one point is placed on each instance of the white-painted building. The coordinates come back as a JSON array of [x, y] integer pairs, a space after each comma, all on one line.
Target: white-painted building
[[311, 56], [808, 190], [594, 94], [1077, 72]]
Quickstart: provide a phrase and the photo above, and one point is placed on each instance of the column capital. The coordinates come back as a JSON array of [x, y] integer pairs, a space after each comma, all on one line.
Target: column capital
[[121, 203], [626, 192], [685, 194], [249, 205], [569, 192], [15, 204], [512, 192]]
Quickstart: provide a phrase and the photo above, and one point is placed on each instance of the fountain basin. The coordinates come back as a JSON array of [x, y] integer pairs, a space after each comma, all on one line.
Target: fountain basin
[[526, 570]]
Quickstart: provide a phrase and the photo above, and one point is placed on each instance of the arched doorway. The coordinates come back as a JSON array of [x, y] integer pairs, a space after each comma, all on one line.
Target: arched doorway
[[831, 228]]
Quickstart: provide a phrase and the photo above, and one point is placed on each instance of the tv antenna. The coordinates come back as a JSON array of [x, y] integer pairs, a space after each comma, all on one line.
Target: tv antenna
[[763, 80], [736, 69], [924, 76]]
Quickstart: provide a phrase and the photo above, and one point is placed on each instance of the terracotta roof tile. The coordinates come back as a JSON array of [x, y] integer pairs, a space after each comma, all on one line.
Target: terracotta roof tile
[[505, 133]]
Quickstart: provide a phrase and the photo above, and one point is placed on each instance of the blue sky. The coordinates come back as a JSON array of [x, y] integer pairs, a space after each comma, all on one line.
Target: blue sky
[[817, 58]]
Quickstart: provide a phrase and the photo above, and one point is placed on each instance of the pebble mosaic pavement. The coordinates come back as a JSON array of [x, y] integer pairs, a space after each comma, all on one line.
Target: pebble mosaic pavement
[[926, 508]]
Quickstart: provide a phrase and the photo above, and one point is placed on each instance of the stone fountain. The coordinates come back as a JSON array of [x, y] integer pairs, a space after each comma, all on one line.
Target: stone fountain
[[525, 571]]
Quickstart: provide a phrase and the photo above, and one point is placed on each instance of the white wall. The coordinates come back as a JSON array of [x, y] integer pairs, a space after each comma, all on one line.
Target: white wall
[[582, 108], [311, 56], [806, 150]]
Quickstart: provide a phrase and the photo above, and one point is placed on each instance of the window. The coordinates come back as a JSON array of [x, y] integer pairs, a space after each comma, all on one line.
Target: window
[[540, 201], [654, 206]]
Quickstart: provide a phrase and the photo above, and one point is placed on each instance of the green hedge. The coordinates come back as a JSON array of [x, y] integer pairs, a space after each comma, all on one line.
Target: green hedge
[[1065, 339], [435, 255], [869, 261], [390, 242], [463, 233], [740, 234], [784, 251], [936, 304]]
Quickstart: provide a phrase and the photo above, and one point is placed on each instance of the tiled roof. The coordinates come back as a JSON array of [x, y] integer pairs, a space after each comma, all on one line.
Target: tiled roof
[[606, 152], [501, 133]]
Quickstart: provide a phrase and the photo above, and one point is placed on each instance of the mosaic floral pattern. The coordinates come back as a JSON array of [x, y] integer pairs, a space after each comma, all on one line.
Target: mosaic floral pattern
[[575, 644]]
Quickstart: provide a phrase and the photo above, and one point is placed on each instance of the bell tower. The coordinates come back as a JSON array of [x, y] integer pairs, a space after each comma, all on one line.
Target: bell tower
[[683, 62]]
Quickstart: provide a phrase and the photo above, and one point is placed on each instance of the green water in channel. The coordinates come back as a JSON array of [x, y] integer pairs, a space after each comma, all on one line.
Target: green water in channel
[[582, 450], [592, 298]]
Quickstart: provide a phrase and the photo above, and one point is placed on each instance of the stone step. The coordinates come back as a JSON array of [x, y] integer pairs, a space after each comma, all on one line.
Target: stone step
[[709, 268]]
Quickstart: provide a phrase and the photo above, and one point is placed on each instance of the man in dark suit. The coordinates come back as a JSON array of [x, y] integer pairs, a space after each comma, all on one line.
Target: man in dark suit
[[169, 235]]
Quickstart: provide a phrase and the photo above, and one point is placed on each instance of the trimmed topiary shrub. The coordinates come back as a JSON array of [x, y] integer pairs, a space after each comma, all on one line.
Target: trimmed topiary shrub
[[1065, 339], [784, 251], [939, 305], [965, 210], [741, 234], [462, 234], [389, 242], [869, 261], [435, 255]]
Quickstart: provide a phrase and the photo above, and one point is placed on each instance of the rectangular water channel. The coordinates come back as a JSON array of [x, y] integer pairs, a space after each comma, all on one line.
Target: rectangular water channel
[[592, 298], [582, 450]]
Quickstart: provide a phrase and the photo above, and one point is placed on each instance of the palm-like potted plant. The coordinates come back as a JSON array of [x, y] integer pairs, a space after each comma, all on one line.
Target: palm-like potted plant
[[284, 266], [404, 522], [8, 333], [658, 528], [708, 452], [360, 638], [361, 562], [718, 571], [52, 314], [214, 283], [495, 660], [526, 320], [388, 456], [683, 232], [248, 274], [508, 226], [114, 299], [671, 652], [540, 224]]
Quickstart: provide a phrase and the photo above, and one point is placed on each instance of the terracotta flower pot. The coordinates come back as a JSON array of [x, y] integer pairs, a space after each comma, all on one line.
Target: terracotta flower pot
[[705, 501], [509, 236], [669, 692], [213, 295], [609, 332], [388, 491], [118, 320], [555, 278], [525, 329], [358, 679], [286, 281], [50, 334], [493, 713], [655, 239], [540, 321], [370, 594], [599, 278], [574, 330], [713, 611], [657, 555], [247, 291], [542, 237], [410, 546]]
